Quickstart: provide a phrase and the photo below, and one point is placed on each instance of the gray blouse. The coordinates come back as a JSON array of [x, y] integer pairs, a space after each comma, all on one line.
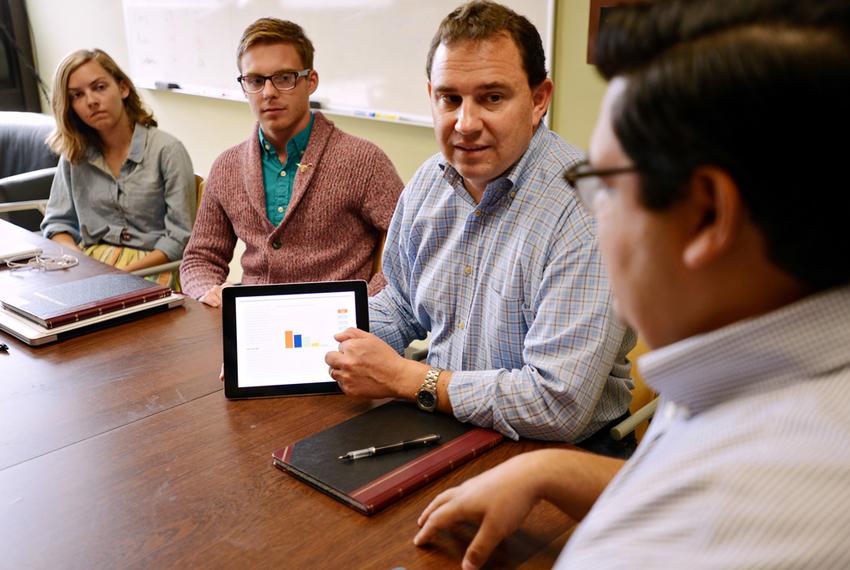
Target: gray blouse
[[150, 205]]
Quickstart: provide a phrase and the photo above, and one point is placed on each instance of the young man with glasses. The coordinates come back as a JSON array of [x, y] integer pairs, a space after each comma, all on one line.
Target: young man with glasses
[[310, 202], [733, 266], [490, 251]]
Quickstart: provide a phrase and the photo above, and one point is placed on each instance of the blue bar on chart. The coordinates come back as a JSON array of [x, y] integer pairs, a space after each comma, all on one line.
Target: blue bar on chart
[[297, 341]]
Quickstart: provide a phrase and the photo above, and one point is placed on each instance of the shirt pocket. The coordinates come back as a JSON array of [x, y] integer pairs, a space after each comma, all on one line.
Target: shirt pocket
[[505, 318], [142, 195]]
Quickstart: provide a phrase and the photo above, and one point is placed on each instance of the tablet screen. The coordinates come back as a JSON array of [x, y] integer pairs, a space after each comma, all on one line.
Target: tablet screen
[[277, 336], [283, 339]]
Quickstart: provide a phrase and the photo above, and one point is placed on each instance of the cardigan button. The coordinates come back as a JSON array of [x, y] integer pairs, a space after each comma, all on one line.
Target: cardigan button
[[276, 244]]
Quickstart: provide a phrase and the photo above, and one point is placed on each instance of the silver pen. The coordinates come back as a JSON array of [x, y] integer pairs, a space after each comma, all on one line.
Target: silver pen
[[379, 450]]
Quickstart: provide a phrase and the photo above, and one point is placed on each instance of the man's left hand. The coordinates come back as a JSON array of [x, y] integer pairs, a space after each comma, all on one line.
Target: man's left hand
[[367, 367]]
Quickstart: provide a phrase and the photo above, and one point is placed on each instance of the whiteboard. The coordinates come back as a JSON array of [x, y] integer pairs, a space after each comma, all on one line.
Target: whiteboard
[[370, 54]]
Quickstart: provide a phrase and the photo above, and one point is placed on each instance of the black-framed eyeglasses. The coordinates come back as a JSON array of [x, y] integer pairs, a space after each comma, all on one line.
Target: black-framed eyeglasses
[[588, 181], [283, 81]]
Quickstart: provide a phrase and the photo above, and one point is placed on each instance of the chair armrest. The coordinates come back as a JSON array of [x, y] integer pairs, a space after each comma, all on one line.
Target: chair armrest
[[34, 185], [23, 206], [631, 423], [161, 268]]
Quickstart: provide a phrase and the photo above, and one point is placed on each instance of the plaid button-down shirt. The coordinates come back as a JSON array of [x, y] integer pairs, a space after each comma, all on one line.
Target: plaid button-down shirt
[[514, 294]]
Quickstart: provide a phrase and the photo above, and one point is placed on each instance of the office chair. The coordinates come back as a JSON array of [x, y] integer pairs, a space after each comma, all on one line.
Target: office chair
[[643, 403], [23, 197]]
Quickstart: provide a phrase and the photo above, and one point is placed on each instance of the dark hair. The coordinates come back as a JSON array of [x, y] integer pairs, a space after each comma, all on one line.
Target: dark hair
[[754, 88], [267, 31], [482, 20]]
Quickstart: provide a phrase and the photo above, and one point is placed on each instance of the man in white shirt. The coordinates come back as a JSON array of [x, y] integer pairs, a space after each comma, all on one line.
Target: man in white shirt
[[720, 201]]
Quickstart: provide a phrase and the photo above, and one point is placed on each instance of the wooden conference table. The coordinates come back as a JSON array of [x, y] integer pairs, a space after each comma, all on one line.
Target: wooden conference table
[[118, 449]]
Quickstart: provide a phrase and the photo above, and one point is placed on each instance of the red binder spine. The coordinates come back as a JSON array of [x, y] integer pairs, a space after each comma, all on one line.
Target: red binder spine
[[407, 478], [106, 306]]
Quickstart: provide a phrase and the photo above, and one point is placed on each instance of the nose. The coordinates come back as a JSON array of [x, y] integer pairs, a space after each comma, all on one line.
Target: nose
[[468, 118], [91, 99], [269, 90]]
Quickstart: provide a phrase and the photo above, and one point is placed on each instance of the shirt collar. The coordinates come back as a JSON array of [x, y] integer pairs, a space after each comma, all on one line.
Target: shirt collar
[[510, 178], [137, 144], [793, 344], [136, 154], [298, 143]]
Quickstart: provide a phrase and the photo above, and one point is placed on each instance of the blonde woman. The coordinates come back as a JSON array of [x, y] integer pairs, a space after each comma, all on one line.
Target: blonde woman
[[124, 191]]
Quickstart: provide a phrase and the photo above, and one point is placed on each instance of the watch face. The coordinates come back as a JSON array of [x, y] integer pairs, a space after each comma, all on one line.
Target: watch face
[[426, 399]]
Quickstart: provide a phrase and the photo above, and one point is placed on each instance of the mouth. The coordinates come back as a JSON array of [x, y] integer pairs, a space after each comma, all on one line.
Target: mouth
[[272, 110], [471, 149]]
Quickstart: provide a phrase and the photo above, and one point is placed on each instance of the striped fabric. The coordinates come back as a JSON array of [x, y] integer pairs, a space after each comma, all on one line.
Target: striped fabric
[[747, 463], [121, 257], [514, 294]]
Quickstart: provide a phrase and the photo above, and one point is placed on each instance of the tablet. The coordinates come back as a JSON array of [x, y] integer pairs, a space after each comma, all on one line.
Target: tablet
[[276, 336]]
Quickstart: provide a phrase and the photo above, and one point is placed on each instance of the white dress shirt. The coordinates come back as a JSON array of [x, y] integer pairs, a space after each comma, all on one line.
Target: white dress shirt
[[747, 463]]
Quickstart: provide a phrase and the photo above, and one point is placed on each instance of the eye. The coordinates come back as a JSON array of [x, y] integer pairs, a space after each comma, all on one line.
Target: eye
[[100, 87], [254, 81], [494, 98], [450, 100], [285, 77]]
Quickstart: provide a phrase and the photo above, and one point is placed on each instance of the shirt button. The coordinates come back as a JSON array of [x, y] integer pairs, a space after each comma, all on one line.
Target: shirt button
[[125, 235], [467, 270], [477, 213], [276, 244], [460, 325], [268, 147], [513, 194], [280, 209], [283, 173]]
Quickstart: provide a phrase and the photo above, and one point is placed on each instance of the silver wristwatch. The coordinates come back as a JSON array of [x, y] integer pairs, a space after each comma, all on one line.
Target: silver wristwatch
[[426, 396]]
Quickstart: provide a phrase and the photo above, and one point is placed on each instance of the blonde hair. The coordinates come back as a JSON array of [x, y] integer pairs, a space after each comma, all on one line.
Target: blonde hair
[[72, 136], [267, 31]]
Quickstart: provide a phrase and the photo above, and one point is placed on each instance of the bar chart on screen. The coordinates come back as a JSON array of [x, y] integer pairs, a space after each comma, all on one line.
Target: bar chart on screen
[[285, 340]]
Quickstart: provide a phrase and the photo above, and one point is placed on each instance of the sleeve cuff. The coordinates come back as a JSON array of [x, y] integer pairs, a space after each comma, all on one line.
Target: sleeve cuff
[[170, 247]]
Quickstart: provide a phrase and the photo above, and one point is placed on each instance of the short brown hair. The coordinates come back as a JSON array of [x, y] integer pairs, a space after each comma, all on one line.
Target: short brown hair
[[482, 20], [72, 136], [267, 31]]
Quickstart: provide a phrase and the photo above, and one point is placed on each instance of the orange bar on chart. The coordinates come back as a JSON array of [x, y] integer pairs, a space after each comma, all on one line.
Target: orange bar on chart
[[289, 339]]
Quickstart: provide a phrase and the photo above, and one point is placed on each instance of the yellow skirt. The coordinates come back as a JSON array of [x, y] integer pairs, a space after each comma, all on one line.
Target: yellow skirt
[[122, 256]]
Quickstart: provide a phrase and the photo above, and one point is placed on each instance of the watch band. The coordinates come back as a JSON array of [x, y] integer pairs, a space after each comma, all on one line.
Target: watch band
[[431, 378], [426, 396]]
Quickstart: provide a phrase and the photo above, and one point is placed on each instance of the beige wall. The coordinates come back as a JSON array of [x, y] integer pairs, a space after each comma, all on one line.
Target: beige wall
[[208, 126]]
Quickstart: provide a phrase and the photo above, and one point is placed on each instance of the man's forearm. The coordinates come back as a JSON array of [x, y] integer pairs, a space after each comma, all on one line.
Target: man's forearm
[[572, 480]]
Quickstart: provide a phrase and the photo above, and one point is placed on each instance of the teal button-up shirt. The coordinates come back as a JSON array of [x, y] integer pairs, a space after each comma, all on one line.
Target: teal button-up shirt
[[278, 178]]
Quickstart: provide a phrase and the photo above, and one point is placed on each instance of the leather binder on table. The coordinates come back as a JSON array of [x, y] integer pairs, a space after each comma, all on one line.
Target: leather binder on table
[[83, 299], [371, 483]]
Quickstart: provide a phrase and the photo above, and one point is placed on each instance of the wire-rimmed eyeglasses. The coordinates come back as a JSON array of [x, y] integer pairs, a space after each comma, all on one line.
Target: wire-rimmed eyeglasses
[[588, 181], [283, 81]]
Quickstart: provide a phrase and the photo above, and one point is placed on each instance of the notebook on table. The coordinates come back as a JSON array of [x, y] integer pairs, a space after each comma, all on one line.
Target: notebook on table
[[372, 483], [75, 301], [33, 334]]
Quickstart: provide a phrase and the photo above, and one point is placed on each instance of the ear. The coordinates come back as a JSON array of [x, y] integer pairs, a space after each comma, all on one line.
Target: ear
[[124, 89], [541, 96], [313, 81], [718, 217]]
